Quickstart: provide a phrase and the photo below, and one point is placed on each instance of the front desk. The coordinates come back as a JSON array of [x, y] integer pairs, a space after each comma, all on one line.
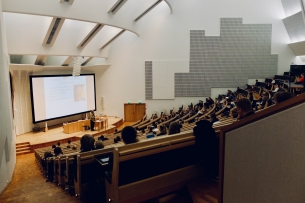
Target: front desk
[[75, 126]]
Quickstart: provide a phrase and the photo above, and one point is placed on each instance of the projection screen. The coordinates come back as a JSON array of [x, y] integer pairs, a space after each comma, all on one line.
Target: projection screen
[[57, 96]]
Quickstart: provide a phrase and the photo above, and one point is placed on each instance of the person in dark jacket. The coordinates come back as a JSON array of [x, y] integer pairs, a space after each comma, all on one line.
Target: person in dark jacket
[[207, 147]]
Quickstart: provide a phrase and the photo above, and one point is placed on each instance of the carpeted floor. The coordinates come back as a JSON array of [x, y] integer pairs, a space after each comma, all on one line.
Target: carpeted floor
[[28, 185]]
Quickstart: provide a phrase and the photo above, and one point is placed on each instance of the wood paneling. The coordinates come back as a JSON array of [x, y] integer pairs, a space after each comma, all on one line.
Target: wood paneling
[[140, 111]]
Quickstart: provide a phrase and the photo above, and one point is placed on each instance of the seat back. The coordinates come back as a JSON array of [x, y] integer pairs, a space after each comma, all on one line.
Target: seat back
[[141, 170], [86, 168]]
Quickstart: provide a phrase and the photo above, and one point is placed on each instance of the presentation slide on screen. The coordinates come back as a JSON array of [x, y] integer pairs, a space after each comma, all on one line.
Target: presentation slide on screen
[[62, 96]]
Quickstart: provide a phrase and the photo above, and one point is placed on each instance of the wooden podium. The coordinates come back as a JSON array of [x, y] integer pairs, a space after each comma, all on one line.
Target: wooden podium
[[75, 126], [134, 111]]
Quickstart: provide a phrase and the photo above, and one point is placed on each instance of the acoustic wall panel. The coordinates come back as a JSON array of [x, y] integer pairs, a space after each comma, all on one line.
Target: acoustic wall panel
[[241, 51], [295, 27], [148, 80]]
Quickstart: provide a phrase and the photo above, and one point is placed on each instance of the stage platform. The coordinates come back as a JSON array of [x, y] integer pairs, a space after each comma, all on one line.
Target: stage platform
[[56, 134]]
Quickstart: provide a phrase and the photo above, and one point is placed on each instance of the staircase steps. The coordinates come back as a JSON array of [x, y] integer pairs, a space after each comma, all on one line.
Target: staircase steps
[[23, 148]]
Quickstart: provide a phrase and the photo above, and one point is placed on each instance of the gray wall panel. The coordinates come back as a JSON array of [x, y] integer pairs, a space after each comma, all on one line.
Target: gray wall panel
[[265, 160], [240, 52], [295, 27], [148, 80]]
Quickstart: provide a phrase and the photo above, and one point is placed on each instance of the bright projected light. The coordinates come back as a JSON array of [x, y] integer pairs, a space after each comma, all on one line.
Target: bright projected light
[[59, 96]]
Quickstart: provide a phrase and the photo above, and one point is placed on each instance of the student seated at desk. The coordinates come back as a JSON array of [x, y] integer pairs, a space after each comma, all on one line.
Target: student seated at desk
[[87, 143], [129, 135], [174, 128], [262, 104], [299, 80], [281, 96], [268, 86], [273, 81], [275, 90], [58, 151], [99, 144], [213, 118], [162, 130]]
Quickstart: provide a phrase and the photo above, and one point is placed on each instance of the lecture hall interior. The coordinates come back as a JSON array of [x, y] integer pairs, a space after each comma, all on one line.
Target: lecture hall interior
[[154, 101]]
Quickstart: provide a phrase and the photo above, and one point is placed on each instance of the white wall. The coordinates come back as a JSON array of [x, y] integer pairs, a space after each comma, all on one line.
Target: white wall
[[7, 134], [166, 37], [163, 37]]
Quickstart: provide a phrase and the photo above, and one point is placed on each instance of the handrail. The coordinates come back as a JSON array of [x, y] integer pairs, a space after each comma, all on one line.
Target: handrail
[[168, 121], [145, 125], [209, 112], [248, 120], [221, 110]]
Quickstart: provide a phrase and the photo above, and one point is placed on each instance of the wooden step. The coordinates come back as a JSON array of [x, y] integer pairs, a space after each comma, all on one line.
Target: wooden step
[[23, 152], [23, 148], [22, 143]]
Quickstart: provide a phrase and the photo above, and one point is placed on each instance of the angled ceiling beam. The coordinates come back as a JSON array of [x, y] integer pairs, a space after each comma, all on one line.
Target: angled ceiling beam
[[69, 1], [53, 31], [67, 61], [147, 10], [87, 61], [116, 7], [170, 7], [112, 39], [91, 35], [41, 60]]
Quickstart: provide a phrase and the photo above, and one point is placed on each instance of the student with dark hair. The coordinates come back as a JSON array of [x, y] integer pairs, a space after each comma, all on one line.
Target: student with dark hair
[[213, 118], [268, 86], [162, 130], [58, 144], [174, 128], [58, 151], [281, 96], [265, 98], [244, 108], [129, 135], [69, 142], [200, 104], [299, 80], [233, 113], [87, 143], [99, 144], [256, 82], [53, 146]]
